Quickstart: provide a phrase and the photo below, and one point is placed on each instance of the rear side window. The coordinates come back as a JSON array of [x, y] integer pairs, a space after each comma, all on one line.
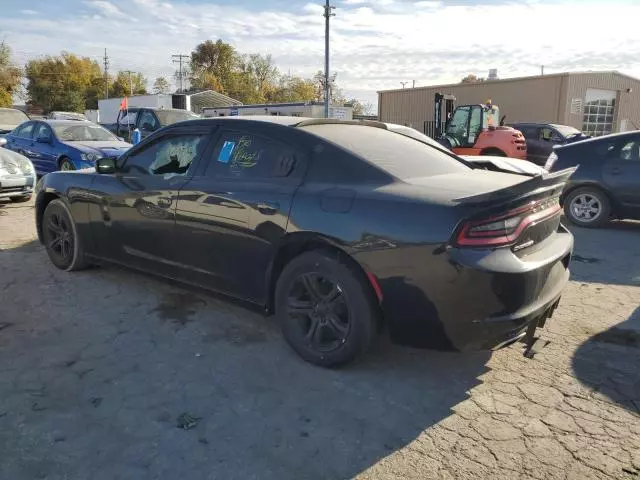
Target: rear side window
[[529, 131], [396, 154], [250, 156]]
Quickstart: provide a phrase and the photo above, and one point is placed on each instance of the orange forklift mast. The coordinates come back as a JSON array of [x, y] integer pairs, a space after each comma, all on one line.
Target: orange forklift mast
[[476, 129]]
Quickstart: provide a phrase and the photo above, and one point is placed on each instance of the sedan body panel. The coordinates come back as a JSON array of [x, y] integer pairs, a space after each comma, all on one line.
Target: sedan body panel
[[201, 218]]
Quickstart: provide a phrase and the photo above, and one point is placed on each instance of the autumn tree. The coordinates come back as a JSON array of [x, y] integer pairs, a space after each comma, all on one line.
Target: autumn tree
[[471, 78], [161, 85], [128, 83], [10, 76], [62, 82], [291, 89], [213, 63]]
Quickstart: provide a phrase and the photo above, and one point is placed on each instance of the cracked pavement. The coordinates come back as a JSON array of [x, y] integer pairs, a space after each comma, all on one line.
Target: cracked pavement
[[110, 374]]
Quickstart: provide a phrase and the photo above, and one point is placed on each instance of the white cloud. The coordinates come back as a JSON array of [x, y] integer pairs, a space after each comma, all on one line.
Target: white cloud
[[29, 12], [373, 46], [108, 9]]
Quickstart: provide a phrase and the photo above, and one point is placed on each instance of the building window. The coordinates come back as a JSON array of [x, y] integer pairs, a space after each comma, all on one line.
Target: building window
[[599, 110]]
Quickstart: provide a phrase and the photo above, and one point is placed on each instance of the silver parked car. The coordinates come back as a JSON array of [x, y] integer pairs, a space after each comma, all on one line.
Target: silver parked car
[[17, 176]]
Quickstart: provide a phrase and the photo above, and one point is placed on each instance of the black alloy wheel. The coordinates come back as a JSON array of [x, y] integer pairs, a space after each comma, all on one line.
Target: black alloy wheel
[[60, 238], [327, 309], [320, 307]]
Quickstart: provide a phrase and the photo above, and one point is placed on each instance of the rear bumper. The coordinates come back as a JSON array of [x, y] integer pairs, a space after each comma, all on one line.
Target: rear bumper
[[474, 299]]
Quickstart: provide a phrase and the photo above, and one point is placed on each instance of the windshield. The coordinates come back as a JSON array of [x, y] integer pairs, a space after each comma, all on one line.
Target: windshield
[[82, 133], [397, 154], [167, 117], [567, 131], [12, 117]]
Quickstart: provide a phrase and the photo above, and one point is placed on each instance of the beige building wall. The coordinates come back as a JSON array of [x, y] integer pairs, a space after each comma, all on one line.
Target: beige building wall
[[530, 99]]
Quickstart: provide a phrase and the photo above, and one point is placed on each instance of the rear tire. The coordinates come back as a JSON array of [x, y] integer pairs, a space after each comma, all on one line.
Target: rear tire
[[66, 165], [587, 207], [60, 237], [326, 309]]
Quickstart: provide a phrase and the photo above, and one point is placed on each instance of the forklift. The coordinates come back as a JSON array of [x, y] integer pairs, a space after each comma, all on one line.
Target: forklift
[[475, 129]]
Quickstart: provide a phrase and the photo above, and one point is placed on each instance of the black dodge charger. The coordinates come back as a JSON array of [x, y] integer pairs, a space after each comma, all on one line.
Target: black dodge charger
[[342, 229]]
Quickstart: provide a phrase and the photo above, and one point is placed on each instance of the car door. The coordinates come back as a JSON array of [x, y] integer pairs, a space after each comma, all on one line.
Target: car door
[[133, 219], [621, 173], [535, 147], [44, 152], [21, 139], [231, 216]]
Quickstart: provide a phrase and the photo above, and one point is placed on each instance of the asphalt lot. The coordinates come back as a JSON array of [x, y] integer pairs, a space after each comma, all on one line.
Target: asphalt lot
[[109, 374]]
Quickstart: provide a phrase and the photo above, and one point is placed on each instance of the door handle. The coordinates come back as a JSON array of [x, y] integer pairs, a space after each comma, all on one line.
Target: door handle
[[164, 202], [268, 208]]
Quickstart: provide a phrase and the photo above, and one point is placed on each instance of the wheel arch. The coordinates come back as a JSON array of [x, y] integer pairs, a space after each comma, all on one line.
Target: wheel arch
[[61, 157], [42, 201], [573, 187], [295, 244]]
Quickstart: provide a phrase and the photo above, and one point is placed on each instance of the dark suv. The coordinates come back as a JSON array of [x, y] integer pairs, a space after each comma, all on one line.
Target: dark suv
[[542, 137]]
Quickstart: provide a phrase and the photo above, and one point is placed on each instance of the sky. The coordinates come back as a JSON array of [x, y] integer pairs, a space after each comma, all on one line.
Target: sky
[[375, 44]]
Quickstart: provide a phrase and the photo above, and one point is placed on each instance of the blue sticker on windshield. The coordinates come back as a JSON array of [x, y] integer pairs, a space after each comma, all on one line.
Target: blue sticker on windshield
[[225, 153]]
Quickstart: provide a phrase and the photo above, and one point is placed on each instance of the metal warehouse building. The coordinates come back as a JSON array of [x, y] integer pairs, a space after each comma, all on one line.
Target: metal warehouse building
[[595, 102]]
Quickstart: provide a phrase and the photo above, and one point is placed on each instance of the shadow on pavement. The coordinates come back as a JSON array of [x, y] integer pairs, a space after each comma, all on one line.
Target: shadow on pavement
[[106, 374], [607, 255], [608, 363]]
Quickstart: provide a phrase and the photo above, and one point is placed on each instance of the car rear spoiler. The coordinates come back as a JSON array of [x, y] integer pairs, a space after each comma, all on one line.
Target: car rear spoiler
[[535, 185]]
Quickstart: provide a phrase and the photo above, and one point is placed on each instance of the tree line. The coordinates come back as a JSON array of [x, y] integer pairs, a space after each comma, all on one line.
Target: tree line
[[71, 82]]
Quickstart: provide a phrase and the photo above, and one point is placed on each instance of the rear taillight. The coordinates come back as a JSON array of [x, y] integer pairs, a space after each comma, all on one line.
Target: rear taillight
[[505, 229], [551, 159]]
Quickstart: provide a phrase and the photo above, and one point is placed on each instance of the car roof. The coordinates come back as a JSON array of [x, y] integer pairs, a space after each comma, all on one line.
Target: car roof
[[604, 138]]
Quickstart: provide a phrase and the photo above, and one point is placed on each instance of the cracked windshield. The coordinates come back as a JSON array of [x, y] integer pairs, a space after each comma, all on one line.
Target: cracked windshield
[[320, 240]]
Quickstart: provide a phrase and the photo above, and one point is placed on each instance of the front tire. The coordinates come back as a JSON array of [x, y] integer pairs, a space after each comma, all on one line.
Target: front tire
[[66, 165], [60, 237], [326, 309], [587, 207]]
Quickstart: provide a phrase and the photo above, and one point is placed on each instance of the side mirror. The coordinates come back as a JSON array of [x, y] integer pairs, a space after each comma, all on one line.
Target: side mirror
[[3, 141], [105, 165]]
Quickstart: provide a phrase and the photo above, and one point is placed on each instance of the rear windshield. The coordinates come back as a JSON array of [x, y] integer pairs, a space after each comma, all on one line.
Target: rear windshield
[[167, 117], [396, 154]]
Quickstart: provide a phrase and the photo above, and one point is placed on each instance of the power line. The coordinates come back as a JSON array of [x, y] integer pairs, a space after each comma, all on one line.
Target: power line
[[177, 58]]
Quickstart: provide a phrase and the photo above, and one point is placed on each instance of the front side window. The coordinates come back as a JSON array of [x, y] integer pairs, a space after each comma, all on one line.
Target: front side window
[[458, 127], [249, 156], [168, 155], [42, 132]]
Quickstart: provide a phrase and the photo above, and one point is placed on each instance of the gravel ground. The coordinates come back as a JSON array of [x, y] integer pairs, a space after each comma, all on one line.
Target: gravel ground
[[110, 374]]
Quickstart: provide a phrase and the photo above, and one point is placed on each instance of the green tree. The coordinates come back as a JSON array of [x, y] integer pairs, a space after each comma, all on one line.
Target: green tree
[[62, 82], [214, 63], [291, 89], [161, 85], [10, 76], [128, 83]]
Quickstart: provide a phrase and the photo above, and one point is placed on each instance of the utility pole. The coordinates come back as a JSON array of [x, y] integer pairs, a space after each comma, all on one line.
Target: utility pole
[[178, 59], [541, 69], [130, 82], [403, 84], [106, 74], [414, 84], [327, 15]]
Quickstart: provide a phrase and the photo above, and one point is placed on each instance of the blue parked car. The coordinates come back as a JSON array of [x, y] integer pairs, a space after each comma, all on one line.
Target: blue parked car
[[64, 144]]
